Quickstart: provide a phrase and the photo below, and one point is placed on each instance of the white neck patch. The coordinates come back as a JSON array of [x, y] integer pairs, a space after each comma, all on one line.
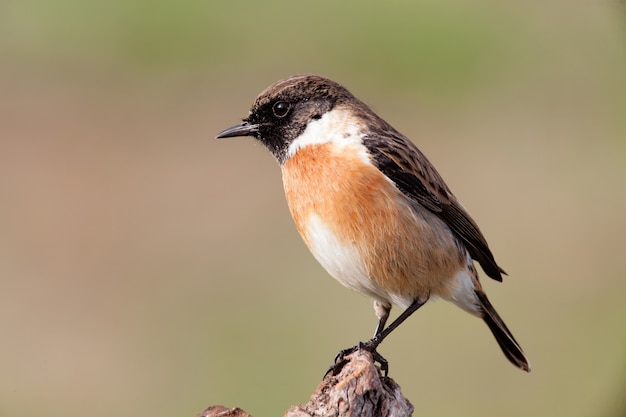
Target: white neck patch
[[337, 126]]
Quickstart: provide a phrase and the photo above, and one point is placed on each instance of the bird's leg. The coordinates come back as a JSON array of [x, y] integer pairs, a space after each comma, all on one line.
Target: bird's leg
[[373, 343], [380, 335], [382, 311]]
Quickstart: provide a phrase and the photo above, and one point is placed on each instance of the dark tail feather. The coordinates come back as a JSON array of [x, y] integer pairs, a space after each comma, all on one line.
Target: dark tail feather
[[505, 339]]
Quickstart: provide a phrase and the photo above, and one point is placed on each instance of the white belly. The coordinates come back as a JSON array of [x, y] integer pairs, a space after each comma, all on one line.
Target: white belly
[[343, 261]]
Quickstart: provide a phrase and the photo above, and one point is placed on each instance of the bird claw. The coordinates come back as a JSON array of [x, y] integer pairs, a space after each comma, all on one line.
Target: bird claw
[[340, 357], [369, 346]]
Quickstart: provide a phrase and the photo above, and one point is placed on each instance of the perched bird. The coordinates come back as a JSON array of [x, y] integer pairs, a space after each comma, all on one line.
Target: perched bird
[[371, 208]]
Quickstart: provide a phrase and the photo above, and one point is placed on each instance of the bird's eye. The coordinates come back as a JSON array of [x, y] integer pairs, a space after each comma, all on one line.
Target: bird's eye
[[281, 108]]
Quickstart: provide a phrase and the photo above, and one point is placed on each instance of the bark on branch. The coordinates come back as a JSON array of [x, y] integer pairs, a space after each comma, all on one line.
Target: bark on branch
[[356, 389]]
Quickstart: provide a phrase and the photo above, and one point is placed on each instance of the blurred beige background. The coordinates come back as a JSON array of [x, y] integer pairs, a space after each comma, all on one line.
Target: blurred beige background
[[148, 269]]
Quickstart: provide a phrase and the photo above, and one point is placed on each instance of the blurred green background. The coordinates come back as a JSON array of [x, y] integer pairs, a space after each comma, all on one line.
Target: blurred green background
[[148, 269]]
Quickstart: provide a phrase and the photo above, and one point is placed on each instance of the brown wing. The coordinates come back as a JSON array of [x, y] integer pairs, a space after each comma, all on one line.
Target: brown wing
[[404, 164]]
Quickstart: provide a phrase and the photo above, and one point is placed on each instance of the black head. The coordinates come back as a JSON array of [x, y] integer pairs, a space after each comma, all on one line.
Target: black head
[[284, 109]]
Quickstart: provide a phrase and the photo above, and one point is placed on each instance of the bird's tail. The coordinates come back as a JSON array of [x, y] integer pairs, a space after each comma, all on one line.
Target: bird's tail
[[505, 339]]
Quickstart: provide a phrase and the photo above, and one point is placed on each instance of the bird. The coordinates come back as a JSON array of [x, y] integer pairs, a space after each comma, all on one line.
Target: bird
[[371, 208]]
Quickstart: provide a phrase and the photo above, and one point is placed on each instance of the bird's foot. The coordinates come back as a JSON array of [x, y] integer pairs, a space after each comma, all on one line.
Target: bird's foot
[[369, 346]]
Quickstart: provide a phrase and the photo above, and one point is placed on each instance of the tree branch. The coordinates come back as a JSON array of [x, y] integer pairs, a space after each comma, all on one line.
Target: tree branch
[[355, 388]]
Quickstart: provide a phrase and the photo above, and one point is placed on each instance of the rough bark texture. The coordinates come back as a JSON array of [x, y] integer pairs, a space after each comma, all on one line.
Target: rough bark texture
[[221, 411], [354, 389]]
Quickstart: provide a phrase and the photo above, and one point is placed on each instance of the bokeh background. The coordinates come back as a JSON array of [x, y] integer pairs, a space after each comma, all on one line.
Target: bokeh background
[[148, 269]]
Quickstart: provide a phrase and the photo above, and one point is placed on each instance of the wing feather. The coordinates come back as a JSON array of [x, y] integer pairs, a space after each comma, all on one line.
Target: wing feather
[[409, 169]]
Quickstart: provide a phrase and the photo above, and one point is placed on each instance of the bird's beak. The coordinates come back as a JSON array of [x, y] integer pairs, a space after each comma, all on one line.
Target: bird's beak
[[242, 129]]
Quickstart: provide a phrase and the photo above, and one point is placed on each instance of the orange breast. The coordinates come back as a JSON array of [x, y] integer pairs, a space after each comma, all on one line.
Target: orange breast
[[407, 250]]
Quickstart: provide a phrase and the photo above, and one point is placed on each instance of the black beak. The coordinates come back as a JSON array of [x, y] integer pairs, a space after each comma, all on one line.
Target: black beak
[[242, 129]]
